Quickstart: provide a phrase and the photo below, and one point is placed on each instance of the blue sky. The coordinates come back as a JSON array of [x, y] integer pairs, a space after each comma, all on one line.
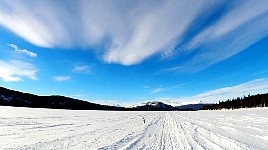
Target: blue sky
[[133, 51]]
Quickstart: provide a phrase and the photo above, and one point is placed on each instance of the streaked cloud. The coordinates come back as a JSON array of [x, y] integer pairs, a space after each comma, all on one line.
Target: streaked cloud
[[240, 27], [61, 78], [157, 90], [23, 51], [161, 26], [172, 69], [82, 69], [162, 89], [168, 70], [146, 86], [258, 73], [257, 86], [15, 70], [131, 32]]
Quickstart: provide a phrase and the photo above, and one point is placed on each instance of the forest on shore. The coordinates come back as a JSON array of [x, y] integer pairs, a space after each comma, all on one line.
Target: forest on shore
[[259, 100]]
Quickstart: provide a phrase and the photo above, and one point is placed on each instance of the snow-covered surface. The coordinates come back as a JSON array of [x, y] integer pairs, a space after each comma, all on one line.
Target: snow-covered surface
[[22, 128]]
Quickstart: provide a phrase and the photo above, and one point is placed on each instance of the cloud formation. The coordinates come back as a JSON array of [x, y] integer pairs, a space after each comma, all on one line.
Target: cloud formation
[[61, 78], [15, 70], [240, 27], [131, 32], [157, 90], [82, 69], [23, 51], [257, 86], [162, 89]]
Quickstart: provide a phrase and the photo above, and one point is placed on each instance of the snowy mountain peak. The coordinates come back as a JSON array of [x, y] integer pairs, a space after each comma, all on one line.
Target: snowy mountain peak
[[174, 103]]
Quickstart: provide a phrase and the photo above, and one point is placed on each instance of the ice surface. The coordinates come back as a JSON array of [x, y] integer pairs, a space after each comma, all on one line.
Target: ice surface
[[31, 128]]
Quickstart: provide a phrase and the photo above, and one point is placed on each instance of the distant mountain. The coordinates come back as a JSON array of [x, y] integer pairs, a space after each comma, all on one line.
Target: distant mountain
[[170, 105], [15, 98], [170, 102], [155, 106]]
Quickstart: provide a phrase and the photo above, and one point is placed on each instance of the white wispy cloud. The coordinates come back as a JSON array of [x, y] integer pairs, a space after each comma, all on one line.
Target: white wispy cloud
[[15, 70], [238, 29], [157, 90], [176, 86], [161, 89], [146, 86], [61, 78], [258, 73], [172, 69], [168, 70], [233, 19], [257, 86], [23, 51], [134, 31], [82, 69], [137, 29], [160, 26]]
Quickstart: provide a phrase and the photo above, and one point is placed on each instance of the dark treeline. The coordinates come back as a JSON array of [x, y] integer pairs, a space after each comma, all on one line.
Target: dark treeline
[[259, 100], [18, 99]]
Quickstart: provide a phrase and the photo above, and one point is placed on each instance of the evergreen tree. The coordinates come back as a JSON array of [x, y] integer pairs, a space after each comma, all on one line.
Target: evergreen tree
[[259, 100]]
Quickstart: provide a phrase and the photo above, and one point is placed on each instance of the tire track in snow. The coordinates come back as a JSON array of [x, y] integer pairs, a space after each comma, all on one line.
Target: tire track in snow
[[211, 140], [199, 137], [133, 139], [80, 139], [170, 134], [228, 132], [191, 142]]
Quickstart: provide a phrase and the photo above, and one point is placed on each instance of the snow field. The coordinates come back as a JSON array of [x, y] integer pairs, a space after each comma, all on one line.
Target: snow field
[[28, 128]]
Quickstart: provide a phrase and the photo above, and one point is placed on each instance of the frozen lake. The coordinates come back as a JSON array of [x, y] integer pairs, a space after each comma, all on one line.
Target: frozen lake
[[22, 128]]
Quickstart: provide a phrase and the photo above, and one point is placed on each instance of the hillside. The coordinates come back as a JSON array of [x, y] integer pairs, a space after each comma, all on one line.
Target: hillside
[[14, 98]]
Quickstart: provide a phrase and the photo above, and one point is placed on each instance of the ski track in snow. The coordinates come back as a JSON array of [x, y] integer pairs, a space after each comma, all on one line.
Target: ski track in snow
[[28, 128]]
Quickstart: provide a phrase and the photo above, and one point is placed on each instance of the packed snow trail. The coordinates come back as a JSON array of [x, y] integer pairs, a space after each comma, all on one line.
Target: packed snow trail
[[28, 128]]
